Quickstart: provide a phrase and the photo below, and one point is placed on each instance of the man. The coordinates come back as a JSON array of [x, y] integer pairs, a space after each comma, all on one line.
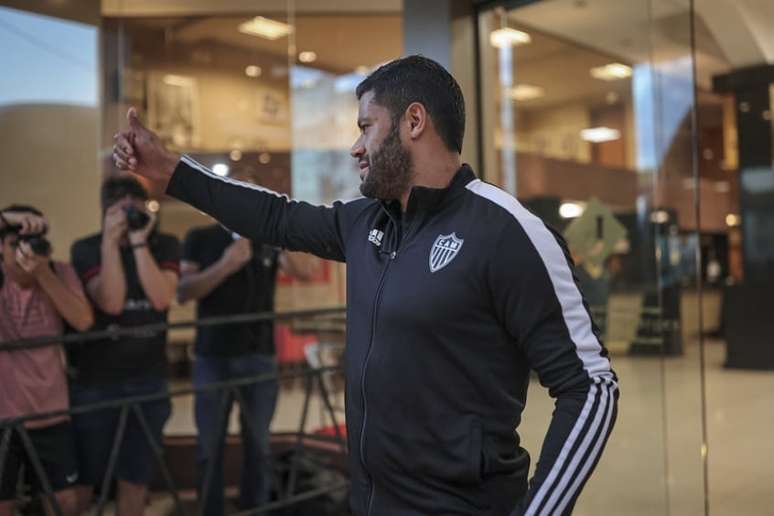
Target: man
[[130, 270], [38, 296], [455, 292], [228, 275]]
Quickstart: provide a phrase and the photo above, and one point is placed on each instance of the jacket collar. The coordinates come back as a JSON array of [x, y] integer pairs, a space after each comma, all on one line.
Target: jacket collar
[[423, 199]]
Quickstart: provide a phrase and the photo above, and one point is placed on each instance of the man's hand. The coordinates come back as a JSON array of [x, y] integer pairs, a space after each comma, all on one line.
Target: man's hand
[[30, 262], [237, 255], [141, 151], [115, 223], [30, 223], [141, 235]]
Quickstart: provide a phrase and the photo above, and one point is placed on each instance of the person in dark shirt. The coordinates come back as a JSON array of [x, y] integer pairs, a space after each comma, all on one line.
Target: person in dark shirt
[[130, 277], [227, 275]]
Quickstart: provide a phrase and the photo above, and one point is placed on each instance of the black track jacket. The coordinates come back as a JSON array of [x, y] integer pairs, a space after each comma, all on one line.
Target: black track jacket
[[449, 306]]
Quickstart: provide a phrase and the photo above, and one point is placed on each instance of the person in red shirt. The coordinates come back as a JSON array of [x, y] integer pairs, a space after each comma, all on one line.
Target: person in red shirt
[[38, 296]]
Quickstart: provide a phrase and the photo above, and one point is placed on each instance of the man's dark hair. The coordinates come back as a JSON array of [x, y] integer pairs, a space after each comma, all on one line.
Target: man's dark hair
[[115, 188], [419, 79], [19, 208]]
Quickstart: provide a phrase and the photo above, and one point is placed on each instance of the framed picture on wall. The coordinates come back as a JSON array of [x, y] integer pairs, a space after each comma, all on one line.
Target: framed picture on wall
[[173, 109]]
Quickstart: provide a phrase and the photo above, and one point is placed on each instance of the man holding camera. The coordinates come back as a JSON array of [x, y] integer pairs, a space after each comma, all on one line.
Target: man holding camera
[[229, 275], [38, 297], [130, 270]]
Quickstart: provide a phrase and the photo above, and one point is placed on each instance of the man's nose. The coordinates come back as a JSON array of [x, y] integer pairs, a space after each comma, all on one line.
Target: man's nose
[[357, 149]]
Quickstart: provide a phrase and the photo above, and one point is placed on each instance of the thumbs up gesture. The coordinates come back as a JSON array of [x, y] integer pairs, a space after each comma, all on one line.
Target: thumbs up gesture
[[140, 150]]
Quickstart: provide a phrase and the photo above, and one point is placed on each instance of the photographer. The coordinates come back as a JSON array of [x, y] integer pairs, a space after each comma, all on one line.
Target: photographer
[[228, 275], [130, 270], [38, 297]]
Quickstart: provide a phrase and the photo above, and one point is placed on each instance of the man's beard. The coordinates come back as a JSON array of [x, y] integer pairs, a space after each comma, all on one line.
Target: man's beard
[[389, 170]]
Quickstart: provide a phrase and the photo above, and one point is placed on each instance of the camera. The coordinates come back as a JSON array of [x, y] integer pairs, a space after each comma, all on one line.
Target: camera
[[136, 219], [38, 243]]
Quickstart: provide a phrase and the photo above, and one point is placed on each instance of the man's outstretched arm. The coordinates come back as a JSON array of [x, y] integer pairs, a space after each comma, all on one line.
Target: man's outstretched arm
[[254, 212], [541, 306]]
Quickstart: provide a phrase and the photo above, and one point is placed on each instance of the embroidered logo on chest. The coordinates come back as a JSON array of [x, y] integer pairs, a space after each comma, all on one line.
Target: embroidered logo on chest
[[375, 237], [444, 250]]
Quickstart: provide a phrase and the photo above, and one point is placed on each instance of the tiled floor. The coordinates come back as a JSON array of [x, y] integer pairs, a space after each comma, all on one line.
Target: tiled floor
[[653, 463]]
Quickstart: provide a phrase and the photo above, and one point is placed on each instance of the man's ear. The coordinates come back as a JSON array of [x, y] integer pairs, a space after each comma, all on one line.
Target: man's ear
[[416, 116]]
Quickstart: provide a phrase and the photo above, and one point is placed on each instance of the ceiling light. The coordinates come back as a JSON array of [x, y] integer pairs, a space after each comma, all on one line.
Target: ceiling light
[[611, 72], [600, 134], [732, 220], [253, 71], [220, 169], [571, 210], [522, 92], [307, 56], [265, 28], [659, 217], [177, 80], [508, 37]]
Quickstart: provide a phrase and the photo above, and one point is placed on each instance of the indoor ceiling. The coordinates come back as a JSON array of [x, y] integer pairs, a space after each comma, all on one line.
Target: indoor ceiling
[[562, 70], [728, 34], [341, 43]]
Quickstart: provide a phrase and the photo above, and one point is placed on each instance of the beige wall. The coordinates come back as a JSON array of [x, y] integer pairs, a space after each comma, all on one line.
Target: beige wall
[[50, 161]]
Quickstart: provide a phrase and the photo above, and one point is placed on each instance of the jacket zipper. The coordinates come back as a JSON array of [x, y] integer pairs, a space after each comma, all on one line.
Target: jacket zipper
[[377, 299]]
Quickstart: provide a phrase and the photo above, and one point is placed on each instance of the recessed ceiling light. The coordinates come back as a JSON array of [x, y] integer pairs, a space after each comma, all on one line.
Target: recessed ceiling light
[[265, 28], [571, 210], [253, 71], [307, 56], [611, 72], [152, 205], [732, 220], [508, 37], [177, 80], [600, 134], [522, 92], [659, 217], [220, 169]]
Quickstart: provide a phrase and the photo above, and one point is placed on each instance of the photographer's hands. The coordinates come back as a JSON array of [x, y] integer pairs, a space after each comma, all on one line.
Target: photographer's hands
[[115, 224], [31, 263], [29, 223], [140, 236]]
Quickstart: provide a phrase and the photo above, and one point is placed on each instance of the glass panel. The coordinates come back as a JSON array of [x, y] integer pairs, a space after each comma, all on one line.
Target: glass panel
[[588, 120], [266, 96], [49, 116], [735, 76]]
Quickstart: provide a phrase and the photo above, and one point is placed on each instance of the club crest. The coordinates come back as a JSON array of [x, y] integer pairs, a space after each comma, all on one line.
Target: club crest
[[444, 250]]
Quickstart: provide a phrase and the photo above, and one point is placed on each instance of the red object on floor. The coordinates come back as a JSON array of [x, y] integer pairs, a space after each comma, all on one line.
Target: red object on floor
[[331, 430], [290, 346]]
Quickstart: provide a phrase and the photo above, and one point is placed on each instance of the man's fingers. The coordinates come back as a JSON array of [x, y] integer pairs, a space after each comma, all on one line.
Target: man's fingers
[[123, 142], [120, 153], [134, 121]]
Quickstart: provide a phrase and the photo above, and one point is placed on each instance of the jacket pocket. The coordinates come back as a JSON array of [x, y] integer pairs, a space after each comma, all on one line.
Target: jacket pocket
[[449, 451], [501, 456]]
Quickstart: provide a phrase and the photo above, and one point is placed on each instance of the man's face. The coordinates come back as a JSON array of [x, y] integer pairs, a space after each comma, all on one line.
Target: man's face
[[385, 165], [128, 200]]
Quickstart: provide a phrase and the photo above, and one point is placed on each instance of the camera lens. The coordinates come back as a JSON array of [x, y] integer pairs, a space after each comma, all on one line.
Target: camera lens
[[39, 245], [136, 219]]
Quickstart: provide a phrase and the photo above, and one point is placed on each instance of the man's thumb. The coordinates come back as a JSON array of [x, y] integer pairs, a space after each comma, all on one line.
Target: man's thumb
[[134, 121]]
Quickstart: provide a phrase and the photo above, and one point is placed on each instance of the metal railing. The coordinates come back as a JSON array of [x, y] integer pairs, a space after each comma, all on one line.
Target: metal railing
[[313, 377]]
